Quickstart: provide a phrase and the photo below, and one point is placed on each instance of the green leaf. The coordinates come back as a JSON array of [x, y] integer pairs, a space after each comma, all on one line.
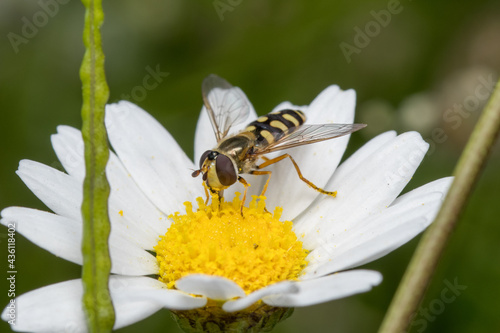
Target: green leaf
[[96, 261]]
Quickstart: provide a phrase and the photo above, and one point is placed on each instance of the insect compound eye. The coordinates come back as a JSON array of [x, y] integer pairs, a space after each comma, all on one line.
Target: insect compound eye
[[225, 170], [204, 157]]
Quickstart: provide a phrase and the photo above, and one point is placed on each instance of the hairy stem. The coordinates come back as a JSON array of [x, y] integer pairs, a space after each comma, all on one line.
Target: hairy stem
[[96, 227]]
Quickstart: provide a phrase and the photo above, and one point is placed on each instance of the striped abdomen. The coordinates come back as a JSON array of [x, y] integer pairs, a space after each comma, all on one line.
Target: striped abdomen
[[271, 126]]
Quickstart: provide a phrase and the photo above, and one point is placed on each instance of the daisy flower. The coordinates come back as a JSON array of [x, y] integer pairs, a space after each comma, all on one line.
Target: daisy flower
[[208, 263]]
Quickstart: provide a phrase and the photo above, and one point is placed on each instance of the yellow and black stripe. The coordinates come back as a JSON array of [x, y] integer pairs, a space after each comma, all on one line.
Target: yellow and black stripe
[[271, 126]]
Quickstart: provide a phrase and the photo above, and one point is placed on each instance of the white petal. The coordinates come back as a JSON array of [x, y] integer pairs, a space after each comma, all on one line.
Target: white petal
[[380, 234], [59, 235], [152, 157], [373, 248], [165, 298], [288, 105], [364, 190], [68, 145], [318, 161], [358, 158], [130, 211], [368, 244], [204, 138], [327, 288], [128, 308], [213, 287], [285, 287], [332, 105], [62, 237], [440, 186], [128, 258], [57, 190], [354, 161], [54, 308], [132, 214], [136, 298]]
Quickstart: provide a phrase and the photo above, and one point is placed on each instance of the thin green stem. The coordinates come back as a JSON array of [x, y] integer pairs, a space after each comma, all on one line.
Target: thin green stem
[[96, 227], [430, 249]]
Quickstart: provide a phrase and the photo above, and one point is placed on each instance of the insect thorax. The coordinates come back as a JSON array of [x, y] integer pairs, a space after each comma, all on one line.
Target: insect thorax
[[237, 146]]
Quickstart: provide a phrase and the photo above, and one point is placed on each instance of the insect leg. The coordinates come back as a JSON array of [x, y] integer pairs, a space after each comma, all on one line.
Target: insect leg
[[206, 193], [279, 158], [211, 192], [244, 182], [258, 172]]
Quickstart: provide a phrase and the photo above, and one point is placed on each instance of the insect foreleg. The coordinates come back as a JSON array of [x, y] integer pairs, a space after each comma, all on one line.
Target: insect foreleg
[[206, 193], [244, 182], [279, 158], [211, 192], [258, 172]]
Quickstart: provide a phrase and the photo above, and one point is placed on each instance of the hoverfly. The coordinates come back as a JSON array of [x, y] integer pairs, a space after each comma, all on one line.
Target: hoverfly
[[238, 154]]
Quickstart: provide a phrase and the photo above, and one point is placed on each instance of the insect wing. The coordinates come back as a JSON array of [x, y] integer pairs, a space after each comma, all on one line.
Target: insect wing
[[226, 105], [307, 134]]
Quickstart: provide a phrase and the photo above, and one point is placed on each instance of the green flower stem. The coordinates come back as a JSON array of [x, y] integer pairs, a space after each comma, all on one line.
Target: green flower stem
[[424, 262], [96, 227]]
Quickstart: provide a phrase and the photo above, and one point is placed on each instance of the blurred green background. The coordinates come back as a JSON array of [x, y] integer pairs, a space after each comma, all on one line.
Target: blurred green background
[[425, 67]]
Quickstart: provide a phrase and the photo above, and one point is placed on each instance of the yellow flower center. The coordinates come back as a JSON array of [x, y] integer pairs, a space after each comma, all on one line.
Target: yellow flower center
[[254, 250]]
